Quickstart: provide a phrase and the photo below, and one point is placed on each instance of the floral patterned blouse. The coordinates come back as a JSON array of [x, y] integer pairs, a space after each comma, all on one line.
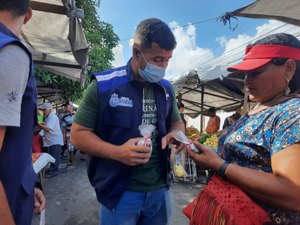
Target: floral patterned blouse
[[254, 139]]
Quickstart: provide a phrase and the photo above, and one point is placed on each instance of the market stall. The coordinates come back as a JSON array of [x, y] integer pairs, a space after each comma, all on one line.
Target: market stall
[[56, 39], [284, 10]]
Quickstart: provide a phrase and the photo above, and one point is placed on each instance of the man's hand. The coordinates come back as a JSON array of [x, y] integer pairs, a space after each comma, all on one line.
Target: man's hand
[[169, 138], [39, 200], [132, 154], [44, 127]]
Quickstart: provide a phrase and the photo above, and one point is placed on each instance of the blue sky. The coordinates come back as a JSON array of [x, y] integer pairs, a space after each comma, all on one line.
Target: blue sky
[[124, 15], [201, 37]]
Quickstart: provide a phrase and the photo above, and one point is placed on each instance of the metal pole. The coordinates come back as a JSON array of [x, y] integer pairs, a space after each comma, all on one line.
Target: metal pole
[[202, 108]]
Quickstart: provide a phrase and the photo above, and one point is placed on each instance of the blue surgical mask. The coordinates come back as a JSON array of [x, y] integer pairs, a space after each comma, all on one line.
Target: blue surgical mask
[[151, 73]]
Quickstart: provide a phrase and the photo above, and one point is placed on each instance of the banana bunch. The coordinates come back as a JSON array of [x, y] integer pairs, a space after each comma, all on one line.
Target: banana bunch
[[212, 141]]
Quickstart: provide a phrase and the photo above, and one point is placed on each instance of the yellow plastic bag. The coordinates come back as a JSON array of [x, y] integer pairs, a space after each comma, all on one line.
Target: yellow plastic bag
[[179, 171]]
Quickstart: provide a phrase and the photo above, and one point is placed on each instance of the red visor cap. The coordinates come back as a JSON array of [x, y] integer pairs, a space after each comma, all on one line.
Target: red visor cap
[[259, 55]]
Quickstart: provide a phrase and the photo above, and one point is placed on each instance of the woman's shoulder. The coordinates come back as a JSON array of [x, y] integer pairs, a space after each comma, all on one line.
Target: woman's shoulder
[[288, 109], [291, 103]]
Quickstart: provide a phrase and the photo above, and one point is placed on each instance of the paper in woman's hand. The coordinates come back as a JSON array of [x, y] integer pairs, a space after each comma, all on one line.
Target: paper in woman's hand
[[180, 136]]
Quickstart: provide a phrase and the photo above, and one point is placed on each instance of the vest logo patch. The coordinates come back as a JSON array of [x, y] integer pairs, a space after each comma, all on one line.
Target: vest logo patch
[[115, 101]]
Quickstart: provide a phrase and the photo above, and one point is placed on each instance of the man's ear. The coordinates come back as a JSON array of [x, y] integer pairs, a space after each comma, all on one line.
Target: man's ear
[[28, 15], [136, 51]]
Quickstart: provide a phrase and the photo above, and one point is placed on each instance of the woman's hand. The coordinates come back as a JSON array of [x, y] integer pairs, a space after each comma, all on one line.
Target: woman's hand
[[39, 200], [207, 158]]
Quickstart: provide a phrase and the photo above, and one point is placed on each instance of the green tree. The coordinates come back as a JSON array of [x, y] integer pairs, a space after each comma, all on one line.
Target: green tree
[[99, 35], [101, 39], [69, 89]]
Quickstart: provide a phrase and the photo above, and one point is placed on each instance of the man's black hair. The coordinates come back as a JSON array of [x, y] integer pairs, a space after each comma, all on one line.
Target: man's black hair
[[212, 110], [66, 103], [285, 40], [155, 31], [17, 7], [235, 116], [180, 105]]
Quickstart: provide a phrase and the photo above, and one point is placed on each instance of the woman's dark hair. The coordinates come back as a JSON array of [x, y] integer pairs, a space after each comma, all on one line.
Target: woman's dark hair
[[285, 40], [180, 105], [154, 30], [17, 7]]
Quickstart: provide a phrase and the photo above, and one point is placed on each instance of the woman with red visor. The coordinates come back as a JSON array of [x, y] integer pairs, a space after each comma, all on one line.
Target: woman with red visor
[[256, 178]]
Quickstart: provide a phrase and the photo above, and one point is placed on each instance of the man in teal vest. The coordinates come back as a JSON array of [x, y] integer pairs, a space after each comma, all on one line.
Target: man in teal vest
[[17, 118], [131, 174]]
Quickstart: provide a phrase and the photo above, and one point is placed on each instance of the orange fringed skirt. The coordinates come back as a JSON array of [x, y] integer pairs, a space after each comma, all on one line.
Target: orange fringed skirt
[[223, 203]]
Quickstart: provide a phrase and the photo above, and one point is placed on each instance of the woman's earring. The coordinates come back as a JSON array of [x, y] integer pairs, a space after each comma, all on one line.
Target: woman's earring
[[287, 90]]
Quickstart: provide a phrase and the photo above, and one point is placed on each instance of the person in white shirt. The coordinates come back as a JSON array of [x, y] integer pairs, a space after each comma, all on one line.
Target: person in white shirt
[[53, 138]]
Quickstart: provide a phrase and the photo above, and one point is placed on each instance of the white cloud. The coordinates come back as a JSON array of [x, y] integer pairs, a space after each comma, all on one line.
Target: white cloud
[[187, 54], [234, 48], [242, 40], [234, 43]]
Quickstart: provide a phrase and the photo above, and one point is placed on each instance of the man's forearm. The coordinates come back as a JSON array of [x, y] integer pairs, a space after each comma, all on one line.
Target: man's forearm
[[90, 143], [2, 134], [44, 127], [179, 125], [5, 214]]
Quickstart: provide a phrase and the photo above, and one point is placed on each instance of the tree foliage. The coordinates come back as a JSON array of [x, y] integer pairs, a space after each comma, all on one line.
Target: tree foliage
[[69, 89], [101, 39], [100, 36]]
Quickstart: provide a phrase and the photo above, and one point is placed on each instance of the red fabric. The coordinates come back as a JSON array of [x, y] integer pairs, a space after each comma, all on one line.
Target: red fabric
[[223, 203], [37, 143], [271, 52], [259, 55]]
